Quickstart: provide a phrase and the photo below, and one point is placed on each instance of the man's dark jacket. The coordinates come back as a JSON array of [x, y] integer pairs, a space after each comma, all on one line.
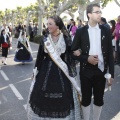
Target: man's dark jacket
[[81, 41]]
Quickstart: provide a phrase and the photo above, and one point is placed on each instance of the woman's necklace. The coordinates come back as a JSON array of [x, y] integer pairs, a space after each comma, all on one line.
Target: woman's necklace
[[55, 35], [55, 39]]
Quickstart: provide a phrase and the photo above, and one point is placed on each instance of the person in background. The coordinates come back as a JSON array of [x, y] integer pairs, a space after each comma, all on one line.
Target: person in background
[[31, 28], [45, 30], [35, 30], [0, 44], [5, 27], [113, 23], [23, 52], [19, 28], [80, 24], [92, 46], [73, 30], [69, 26], [117, 38], [5, 43], [104, 22]]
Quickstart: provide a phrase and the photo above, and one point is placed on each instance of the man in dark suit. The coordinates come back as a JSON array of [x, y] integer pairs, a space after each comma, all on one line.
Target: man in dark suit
[[69, 26], [95, 56]]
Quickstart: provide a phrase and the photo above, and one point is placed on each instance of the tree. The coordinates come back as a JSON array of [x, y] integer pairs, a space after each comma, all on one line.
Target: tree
[[51, 7], [82, 4], [1, 15], [117, 2], [105, 2]]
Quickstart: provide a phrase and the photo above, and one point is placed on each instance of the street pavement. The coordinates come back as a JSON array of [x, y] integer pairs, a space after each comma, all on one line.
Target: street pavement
[[15, 80]]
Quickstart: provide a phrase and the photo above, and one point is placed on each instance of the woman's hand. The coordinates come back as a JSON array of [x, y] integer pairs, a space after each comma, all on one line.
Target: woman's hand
[[109, 83], [32, 77]]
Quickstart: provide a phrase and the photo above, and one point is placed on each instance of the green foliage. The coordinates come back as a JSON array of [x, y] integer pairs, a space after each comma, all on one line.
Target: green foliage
[[38, 38], [81, 2], [1, 15], [20, 14], [49, 5], [105, 2]]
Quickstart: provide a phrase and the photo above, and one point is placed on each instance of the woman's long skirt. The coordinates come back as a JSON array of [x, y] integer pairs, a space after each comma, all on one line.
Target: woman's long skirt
[[75, 114]]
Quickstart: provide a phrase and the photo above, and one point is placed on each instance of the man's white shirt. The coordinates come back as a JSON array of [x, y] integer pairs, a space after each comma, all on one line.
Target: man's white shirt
[[95, 44]]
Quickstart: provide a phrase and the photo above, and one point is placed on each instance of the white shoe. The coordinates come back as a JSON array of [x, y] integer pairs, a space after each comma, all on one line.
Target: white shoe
[[5, 63]]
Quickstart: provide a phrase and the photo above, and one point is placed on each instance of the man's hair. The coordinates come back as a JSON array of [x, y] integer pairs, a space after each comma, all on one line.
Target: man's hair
[[113, 23], [90, 8], [103, 20], [71, 19], [73, 23]]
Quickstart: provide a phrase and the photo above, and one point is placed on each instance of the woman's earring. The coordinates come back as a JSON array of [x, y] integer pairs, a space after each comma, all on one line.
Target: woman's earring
[[58, 31]]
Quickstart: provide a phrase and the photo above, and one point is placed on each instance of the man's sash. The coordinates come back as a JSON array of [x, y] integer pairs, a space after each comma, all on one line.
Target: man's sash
[[60, 63]]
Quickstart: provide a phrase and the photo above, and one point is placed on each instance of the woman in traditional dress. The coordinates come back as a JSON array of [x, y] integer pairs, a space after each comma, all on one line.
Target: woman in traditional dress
[[52, 96], [23, 52], [5, 45]]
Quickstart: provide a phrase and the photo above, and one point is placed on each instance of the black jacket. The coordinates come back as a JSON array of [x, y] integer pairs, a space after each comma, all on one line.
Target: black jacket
[[2, 39], [66, 57], [81, 41]]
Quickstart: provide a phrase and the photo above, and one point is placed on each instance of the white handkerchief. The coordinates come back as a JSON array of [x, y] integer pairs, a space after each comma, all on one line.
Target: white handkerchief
[[101, 66]]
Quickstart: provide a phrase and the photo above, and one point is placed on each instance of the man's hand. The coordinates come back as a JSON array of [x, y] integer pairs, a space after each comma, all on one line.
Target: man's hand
[[76, 53], [93, 59], [110, 81]]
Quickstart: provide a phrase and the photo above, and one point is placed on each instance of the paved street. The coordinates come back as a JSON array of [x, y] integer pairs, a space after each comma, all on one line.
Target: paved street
[[15, 80]]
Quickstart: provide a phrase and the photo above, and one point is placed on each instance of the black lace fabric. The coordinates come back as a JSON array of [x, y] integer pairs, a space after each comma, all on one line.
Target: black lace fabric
[[52, 93], [69, 61]]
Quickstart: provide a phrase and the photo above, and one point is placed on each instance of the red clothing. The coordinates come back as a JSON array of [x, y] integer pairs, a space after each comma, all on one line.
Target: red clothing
[[5, 45], [117, 31], [112, 29]]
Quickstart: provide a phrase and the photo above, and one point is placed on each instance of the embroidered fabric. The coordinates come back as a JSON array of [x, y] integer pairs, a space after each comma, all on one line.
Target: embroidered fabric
[[47, 74], [74, 114], [59, 46]]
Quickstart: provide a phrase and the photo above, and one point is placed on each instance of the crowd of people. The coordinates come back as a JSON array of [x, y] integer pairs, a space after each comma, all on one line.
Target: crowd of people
[[23, 50], [55, 93]]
